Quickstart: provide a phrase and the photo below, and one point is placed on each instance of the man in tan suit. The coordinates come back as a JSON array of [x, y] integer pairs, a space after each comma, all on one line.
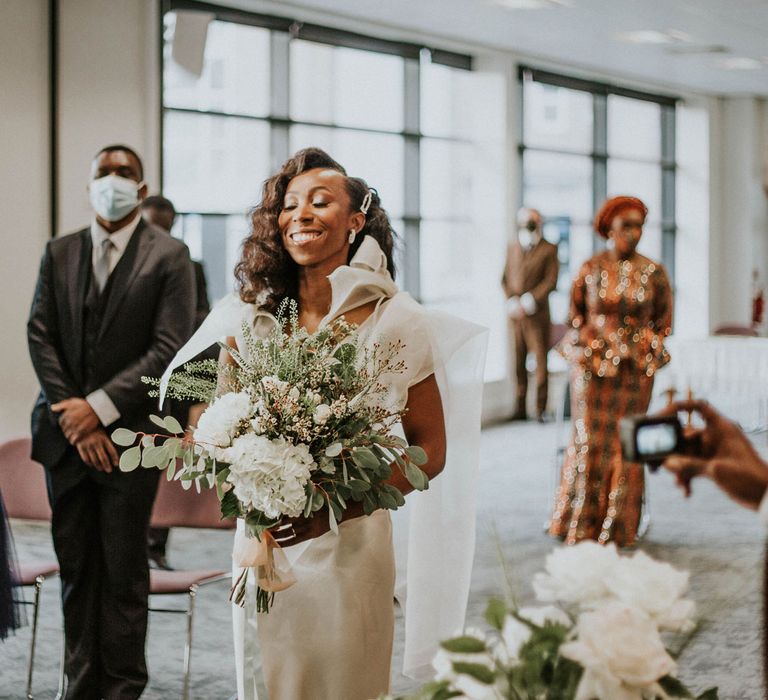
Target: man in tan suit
[[530, 275]]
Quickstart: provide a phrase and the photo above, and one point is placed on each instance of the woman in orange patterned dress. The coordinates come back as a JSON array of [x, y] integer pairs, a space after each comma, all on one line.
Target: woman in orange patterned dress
[[621, 311]]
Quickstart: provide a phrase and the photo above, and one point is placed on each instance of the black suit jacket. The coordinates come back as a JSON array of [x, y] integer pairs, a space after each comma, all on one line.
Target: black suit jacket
[[149, 314]]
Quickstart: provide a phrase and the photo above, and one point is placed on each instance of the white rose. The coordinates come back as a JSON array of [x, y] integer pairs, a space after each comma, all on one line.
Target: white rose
[[294, 394], [515, 633], [270, 475], [654, 587], [322, 414], [621, 652], [219, 422], [577, 574]]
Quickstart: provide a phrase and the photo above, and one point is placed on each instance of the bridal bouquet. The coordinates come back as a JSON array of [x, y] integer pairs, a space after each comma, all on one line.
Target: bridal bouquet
[[598, 635], [300, 426]]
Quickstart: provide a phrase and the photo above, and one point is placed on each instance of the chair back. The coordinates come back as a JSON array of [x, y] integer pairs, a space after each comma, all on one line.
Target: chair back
[[556, 334], [729, 329], [176, 507], [22, 482]]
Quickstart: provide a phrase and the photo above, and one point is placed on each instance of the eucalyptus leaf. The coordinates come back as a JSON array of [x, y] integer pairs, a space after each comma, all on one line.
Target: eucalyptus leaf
[[674, 687], [496, 613], [480, 673], [157, 420], [416, 477], [464, 645], [130, 459], [395, 493], [151, 457], [333, 450], [147, 440], [332, 521], [386, 500], [173, 426], [417, 455], [364, 458], [123, 437]]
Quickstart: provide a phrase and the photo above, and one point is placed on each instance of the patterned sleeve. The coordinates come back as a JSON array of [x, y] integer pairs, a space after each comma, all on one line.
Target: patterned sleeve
[[577, 316]]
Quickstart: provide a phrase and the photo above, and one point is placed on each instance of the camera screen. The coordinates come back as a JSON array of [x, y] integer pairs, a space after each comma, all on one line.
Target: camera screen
[[656, 439]]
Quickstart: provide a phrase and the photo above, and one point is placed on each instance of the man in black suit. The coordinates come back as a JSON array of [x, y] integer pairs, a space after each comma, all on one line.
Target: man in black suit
[[160, 211], [113, 303]]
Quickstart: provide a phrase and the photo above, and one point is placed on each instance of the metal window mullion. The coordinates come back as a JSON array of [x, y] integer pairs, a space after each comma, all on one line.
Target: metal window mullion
[[279, 75], [599, 158], [668, 188], [412, 177]]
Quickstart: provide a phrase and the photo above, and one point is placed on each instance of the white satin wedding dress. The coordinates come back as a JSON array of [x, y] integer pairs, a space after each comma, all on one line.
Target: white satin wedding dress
[[329, 636]]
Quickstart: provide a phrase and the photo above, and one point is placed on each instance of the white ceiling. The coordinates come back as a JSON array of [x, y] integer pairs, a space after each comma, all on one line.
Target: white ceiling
[[580, 35]]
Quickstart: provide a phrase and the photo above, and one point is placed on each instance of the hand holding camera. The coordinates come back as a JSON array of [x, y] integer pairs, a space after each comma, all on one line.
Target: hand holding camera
[[719, 450]]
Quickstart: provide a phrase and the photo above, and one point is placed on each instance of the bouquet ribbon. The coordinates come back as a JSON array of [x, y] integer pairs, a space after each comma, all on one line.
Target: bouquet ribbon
[[273, 572]]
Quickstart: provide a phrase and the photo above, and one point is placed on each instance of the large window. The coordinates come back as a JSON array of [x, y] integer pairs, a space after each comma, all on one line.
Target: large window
[[243, 91], [583, 142]]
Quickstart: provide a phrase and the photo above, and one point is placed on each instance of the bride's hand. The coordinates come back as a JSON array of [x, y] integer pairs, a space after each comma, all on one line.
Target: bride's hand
[[292, 531]]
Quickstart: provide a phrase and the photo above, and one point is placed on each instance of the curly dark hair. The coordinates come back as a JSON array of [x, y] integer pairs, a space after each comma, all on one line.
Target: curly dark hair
[[266, 274]]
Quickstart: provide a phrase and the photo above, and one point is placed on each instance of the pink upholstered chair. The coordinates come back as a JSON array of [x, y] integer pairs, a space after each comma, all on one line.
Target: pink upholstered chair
[[22, 483], [733, 329], [175, 507]]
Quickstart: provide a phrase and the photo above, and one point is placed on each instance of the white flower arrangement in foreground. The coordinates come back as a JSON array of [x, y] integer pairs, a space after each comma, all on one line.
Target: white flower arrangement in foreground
[[301, 425], [598, 636]]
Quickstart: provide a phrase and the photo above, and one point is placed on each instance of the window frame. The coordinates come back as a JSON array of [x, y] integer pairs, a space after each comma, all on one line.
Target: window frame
[[282, 31], [599, 153]]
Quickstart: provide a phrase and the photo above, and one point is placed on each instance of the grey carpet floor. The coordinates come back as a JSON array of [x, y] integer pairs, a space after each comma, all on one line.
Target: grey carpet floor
[[721, 544]]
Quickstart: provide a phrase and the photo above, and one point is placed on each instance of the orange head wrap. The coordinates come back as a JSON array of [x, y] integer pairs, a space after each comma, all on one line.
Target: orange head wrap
[[612, 208]]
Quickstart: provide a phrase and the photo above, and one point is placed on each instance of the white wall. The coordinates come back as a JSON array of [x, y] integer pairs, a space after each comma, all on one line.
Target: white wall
[[108, 93], [24, 184], [738, 207], [693, 215]]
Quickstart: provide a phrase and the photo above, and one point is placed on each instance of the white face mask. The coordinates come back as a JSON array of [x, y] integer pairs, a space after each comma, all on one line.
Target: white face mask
[[114, 197]]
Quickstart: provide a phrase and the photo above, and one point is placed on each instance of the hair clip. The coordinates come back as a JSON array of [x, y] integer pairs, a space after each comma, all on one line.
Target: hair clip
[[366, 202]]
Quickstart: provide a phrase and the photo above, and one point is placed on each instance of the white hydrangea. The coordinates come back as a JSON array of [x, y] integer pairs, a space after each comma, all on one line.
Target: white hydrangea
[[219, 422], [322, 413], [269, 475]]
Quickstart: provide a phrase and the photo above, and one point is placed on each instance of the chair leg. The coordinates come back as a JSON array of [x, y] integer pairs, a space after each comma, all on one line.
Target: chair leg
[[35, 616], [188, 645]]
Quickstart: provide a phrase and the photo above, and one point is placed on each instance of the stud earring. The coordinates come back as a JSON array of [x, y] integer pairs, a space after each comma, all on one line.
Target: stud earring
[[352, 234]]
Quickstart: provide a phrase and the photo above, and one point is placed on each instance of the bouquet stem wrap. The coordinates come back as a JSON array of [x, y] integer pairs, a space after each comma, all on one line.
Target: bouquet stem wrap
[[267, 559]]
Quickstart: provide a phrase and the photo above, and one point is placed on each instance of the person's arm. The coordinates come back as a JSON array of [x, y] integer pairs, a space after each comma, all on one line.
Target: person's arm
[[424, 425], [548, 283], [172, 327], [44, 338], [663, 304], [578, 315], [723, 454]]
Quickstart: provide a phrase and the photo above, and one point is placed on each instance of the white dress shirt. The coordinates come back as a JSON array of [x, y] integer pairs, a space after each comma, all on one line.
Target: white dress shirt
[[99, 400]]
